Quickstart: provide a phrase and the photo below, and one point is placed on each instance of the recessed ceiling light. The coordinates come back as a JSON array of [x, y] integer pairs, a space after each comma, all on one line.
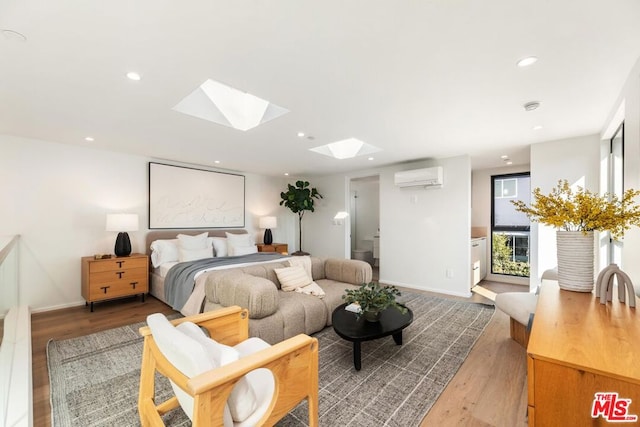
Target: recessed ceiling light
[[537, 127], [504, 156], [300, 134], [217, 162], [370, 158], [14, 36], [89, 139], [509, 162], [525, 62], [286, 174], [132, 75], [530, 106]]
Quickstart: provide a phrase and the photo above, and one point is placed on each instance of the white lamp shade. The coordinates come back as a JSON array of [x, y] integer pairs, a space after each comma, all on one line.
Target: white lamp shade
[[122, 222], [268, 222]]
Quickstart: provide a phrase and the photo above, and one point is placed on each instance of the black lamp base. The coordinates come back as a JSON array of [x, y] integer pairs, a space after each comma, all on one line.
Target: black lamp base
[[268, 238], [123, 245]]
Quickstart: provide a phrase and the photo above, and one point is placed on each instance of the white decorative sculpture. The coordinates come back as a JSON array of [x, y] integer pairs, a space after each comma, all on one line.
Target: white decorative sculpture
[[604, 285]]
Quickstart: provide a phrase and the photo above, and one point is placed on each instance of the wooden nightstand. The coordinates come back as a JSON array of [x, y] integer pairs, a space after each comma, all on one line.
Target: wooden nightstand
[[116, 277], [282, 248]]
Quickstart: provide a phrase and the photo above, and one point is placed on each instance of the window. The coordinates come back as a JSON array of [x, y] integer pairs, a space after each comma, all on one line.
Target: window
[[616, 186], [510, 228], [506, 188]]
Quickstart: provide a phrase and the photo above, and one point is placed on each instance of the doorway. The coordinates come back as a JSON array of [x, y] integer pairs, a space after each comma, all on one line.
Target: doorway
[[364, 215]]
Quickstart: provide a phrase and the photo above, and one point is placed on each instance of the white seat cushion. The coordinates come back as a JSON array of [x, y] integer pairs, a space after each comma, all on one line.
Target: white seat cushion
[[192, 352], [518, 305], [185, 353], [242, 401]]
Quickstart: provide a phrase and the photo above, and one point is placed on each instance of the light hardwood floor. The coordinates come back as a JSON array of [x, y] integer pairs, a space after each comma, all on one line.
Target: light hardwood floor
[[488, 390]]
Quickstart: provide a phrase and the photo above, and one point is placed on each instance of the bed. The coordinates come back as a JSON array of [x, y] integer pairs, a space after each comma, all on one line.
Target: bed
[[179, 283]]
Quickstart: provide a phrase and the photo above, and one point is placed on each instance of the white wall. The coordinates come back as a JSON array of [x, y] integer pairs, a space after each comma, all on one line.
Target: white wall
[[423, 232], [481, 212], [629, 99], [56, 197], [578, 161]]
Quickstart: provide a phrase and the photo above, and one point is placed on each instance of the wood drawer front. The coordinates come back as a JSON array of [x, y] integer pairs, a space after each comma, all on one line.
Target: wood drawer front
[[117, 264], [108, 290], [118, 275]]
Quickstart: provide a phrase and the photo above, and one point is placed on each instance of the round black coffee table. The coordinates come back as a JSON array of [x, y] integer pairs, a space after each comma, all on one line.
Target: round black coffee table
[[392, 322]]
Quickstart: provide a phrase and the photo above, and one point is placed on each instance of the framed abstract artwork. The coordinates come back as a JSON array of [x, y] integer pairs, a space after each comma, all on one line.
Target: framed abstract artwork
[[184, 197]]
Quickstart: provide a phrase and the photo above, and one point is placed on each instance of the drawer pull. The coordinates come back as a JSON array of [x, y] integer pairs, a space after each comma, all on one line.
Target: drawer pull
[[104, 288], [119, 273], [133, 284], [120, 263]]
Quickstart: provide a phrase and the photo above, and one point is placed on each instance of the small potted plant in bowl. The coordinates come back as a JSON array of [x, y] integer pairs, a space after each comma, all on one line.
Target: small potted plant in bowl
[[373, 299]]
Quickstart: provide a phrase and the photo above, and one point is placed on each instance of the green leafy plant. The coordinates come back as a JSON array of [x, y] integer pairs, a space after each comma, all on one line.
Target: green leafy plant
[[374, 297], [583, 210], [502, 259], [299, 199]]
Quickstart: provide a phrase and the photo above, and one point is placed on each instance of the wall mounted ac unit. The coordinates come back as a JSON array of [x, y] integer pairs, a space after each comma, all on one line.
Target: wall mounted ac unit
[[427, 177]]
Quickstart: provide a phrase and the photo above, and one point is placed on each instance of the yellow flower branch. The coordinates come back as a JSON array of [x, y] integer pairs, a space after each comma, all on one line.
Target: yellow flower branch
[[582, 210]]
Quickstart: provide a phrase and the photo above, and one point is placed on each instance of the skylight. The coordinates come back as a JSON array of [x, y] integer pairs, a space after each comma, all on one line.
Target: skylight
[[228, 106], [346, 149]]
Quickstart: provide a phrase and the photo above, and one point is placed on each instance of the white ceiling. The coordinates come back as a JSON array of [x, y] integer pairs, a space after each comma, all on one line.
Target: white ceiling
[[419, 79]]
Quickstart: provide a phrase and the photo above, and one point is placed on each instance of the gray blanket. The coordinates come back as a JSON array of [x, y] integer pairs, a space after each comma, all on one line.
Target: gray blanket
[[180, 279]]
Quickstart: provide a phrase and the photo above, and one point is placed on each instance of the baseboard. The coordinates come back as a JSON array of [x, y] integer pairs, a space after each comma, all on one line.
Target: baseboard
[[58, 307], [427, 289]]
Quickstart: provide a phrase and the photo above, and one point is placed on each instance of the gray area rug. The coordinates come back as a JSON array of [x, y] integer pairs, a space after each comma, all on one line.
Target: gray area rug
[[94, 379]]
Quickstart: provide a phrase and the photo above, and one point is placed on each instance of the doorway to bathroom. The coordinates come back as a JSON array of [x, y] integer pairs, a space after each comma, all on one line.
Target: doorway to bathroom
[[364, 215]]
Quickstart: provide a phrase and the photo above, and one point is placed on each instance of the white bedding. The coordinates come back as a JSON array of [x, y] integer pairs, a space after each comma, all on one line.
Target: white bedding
[[164, 268]]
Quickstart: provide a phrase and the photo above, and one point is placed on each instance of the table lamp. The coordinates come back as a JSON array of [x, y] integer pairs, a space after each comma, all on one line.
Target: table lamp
[[122, 223], [268, 222]]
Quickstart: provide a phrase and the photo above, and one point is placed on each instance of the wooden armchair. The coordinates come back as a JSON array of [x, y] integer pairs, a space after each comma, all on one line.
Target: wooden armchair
[[204, 394]]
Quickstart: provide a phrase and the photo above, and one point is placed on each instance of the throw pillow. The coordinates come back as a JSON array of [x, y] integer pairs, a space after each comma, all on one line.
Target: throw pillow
[[193, 242], [163, 251], [302, 261], [291, 278], [194, 254], [245, 250], [235, 241], [219, 246]]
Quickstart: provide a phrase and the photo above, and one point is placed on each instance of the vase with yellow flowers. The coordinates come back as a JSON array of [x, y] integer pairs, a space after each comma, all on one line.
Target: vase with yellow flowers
[[576, 215]]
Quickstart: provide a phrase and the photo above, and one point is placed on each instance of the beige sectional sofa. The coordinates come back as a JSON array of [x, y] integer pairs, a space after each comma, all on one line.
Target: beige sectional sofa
[[275, 315]]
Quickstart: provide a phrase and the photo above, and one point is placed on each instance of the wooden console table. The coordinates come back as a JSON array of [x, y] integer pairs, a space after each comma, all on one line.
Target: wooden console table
[[579, 347]]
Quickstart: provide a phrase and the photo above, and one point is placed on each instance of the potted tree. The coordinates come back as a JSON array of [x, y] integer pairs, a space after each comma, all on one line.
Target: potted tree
[[299, 199], [373, 299]]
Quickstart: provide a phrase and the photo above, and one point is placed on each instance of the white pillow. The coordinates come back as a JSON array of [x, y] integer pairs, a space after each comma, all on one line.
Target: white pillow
[[194, 254], [245, 250], [291, 278], [193, 242], [220, 354], [184, 352], [219, 246], [237, 241], [163, 251], [242, 401], [302, 261]]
